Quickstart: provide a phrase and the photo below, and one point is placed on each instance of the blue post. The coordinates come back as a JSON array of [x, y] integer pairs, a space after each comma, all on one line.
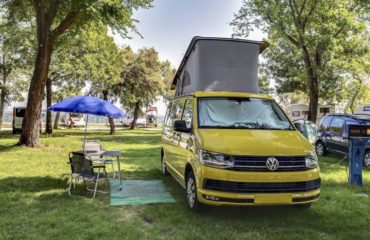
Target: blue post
[[357, 148]]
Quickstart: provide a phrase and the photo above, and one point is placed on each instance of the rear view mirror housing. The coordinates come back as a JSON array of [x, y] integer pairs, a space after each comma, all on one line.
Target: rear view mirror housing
[[180, 126], [299, 127]]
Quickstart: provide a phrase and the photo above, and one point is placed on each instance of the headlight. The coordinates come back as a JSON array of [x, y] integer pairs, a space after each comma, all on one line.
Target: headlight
[[217, 160], [311, 160]]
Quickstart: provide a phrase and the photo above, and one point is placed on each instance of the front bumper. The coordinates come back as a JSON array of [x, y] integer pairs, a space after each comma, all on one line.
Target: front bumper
[[245, 196]]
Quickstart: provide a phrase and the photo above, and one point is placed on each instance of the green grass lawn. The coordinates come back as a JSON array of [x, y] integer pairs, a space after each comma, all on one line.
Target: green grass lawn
[[34, 203]]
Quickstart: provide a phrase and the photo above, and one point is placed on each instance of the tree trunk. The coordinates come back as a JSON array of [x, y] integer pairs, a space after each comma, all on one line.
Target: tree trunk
[[313, 85], [31, 127], [48, 127], [110, 120], [56, 120], [31, 123], [136, 115], [2, 106]]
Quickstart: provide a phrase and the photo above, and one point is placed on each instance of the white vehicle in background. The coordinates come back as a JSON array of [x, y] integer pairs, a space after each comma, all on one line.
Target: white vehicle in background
[[18, 115], [76, 119], [300, 111], [141, 122]]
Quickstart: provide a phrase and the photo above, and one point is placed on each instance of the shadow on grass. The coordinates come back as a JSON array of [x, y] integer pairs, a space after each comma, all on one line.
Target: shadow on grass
[[32, 184]]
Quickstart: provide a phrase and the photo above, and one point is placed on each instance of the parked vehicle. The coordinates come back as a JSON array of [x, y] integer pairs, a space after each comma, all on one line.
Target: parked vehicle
[[18, 115], [307, 128], [363, 111], [151, 115], [300, 111], [141, 122], [329, 134], [228, 147]]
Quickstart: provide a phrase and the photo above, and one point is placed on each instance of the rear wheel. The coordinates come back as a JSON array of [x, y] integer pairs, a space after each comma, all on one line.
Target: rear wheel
[[320, 148], [367, 159], [191, 192]]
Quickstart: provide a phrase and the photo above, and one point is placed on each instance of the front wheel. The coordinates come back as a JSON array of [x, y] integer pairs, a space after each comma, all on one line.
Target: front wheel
[[164, 167], [320, 149], [367, 159], [191, 192]]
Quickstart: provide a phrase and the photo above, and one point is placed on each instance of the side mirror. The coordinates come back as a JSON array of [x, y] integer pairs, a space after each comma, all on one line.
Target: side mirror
[[300, 128], [180, 126]]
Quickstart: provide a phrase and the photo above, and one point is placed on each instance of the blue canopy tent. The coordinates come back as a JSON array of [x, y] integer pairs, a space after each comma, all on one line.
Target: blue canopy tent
[[88, 105]]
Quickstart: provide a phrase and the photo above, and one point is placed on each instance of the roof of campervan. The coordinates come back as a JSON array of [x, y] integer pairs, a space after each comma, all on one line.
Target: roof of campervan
[[363, 110], [219, 64]]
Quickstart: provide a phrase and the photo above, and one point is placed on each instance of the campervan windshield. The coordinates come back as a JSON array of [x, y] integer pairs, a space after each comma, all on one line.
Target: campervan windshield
[[241, 113]]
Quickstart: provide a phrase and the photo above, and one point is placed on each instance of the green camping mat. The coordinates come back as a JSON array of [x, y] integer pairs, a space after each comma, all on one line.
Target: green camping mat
[[138, 192]]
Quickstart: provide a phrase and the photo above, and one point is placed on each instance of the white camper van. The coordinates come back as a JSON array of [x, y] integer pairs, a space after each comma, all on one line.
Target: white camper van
[[300, 111], [363, 110]]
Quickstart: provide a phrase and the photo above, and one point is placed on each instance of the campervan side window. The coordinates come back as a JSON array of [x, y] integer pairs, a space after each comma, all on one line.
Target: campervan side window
[[20, 112], [324, 110], [296, 114]]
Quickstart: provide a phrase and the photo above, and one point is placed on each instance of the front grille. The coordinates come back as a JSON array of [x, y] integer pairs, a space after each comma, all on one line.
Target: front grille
[[258, 164], [262, 187]]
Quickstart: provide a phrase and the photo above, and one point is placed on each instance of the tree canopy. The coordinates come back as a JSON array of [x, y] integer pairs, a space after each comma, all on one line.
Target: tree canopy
[[310, 41], [52, 19]]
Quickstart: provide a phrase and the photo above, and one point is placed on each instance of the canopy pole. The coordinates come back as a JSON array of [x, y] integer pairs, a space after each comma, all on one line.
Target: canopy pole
[[87, 119]]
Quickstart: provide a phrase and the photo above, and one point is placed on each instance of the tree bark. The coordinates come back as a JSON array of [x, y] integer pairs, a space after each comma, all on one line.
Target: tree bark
[[31, 127], [110, 120], [2, 106], [45, 14], [136, 115], [48, 127], [313, 85], [56, 120]]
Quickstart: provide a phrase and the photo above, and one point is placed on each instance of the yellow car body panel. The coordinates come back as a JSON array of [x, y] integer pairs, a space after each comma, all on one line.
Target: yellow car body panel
[[184, 150]]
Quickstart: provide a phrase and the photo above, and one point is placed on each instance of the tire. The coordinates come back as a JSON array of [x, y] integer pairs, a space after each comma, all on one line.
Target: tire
[[367, 159], [320, 148], [163, 164], [191, 192]]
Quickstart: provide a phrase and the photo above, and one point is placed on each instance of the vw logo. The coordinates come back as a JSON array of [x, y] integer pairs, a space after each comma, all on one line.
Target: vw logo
[[272, 163]]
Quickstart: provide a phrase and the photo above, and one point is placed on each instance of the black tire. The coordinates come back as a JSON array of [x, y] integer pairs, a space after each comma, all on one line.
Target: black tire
[[163, 165], [367, 159], [320, 148], [191, 192]]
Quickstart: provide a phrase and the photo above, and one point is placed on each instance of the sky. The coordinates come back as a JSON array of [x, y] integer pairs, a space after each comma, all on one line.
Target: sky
[[170, 25]]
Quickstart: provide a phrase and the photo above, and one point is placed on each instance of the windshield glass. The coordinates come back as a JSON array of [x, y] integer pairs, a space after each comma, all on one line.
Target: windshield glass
[[241, 113]]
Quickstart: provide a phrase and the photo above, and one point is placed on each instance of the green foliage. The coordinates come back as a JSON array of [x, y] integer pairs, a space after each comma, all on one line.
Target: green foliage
[[16, 52], [142, 79], [313, 43]]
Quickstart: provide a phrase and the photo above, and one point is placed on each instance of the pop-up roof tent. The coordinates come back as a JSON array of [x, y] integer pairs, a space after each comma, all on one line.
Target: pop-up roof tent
[[219, 64]]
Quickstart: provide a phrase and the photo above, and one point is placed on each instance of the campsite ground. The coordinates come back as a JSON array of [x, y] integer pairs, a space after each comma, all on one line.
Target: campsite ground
[[34, 203]]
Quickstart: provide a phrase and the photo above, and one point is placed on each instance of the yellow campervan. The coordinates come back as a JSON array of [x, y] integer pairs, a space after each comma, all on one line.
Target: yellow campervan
[[226, 143]]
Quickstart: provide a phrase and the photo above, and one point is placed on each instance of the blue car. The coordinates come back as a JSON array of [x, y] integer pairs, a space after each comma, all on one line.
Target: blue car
[[329, 134]]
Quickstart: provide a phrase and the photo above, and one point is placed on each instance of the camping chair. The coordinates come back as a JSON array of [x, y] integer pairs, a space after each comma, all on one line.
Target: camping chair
[[96, 147], [82, 168]]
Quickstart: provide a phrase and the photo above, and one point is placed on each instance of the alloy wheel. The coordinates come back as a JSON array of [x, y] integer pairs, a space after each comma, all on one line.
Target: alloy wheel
[[320, 149], [190, 191], [367, 160]]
